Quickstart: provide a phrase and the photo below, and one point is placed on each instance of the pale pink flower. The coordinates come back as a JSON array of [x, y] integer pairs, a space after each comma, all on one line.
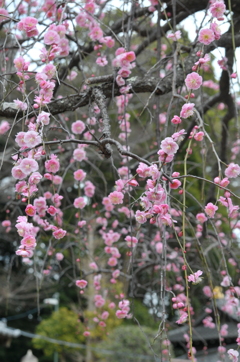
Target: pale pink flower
[[78, 127], [79, 154], [51, 37], [93, 266], [201, 218], [59, 256], [59, 233], [2, 13], [96, 33], [79, 175], [216, 29], [187, 110], [210, 209], [32, 138], [183, 318], [43, 118], [86, 334], [169, 146], [195, 278], [116, 197], [53, 164], [131, 241], [193, 81], [199, 136], [226, 282], [102, 61], [20, 105], [233, 355], [233, 170], [17, 173], [175, 36], [140, 217], [29, 241], [52, 210], [81, 283], [89, 189], [28, 165], [28, 24], [79, 203], [49, 70], [4, 127], [35, 178], [112, 261], [217, 9], [206, 36], [164, 157]]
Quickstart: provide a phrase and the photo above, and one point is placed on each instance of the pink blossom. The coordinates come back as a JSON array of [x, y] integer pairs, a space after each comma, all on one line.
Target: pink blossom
[[81, 283], [164, 157], [86, 334], [217, 9], [28, 24], [216, 29], [140, 217], [30, 210], [121, 314], [193, 81], [225, 182], [51, 37], [201, 218], [199, 136], [169, 146], [2, 13], [79, 203], [210, 209], [43, 118], [233, 170], [59, 233], [187, 110], [96, 33], [89, 189], [4, 127], [175, 36], [59, 256], [79, 175], [116, 197], [29, 241], [195, 278], [183, 318], [53, 164], [18, 173], [32, 138], [78, 127], [102, 61], [52, 210], [176, 120], [35, 178], [175, 184], [142, 170], [20, 105], [233, 355], [28, 165], [226, 281], [93, 266], [131, 241], [112, 261], [206, 36], [79, 154], [49, 70]]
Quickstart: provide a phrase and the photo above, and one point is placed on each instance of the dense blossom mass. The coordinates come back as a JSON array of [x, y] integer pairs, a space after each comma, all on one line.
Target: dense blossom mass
[[130, 192]]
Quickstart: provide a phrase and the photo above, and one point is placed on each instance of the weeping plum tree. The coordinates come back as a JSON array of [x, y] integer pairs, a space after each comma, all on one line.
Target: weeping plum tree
[[119, 157]]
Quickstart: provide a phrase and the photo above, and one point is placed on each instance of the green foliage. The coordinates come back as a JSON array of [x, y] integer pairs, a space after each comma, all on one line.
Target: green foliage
[[62, 325], [130, 343]]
